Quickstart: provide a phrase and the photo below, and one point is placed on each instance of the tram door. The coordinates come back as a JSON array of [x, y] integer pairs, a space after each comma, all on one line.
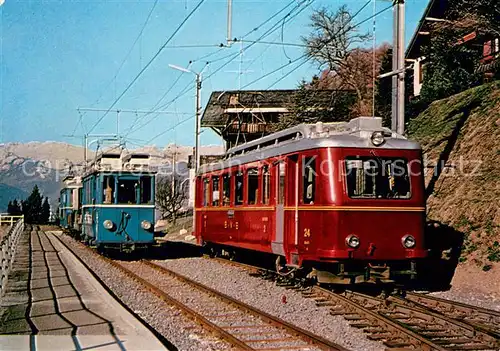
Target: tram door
[[280, 181], [286, 206], [291, 207]]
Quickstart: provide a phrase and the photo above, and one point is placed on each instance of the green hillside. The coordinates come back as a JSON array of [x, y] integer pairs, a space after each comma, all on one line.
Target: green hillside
[[460, 136]]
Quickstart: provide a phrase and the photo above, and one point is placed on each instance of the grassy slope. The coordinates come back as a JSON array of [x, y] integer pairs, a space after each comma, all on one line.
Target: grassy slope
[[463, 132]]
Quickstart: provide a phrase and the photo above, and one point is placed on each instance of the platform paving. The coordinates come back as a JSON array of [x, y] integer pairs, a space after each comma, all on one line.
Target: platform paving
[[54, 303]]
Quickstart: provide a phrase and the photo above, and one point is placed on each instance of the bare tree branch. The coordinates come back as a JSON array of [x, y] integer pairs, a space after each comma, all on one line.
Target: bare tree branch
[[170, 197]]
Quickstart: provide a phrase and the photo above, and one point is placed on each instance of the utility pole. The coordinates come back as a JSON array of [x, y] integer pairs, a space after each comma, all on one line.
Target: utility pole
[[197, 124], [198, 81], [117, 122], [173, 197], [398, 68], [229, 38]]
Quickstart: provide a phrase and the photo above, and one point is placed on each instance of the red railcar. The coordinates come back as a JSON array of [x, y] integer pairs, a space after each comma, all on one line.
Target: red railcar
[[341, 201]]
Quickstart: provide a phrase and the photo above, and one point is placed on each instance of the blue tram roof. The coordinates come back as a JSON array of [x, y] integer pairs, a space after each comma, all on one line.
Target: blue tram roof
[[121, 162]]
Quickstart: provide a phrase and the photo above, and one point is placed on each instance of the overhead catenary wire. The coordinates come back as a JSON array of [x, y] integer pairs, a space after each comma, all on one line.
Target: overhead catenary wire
[[305, 56], [183, 92], [148, 64], [302, 57], [168, 104], [268, 32], [154, 109], [284, 21], [233, 56], [80, 119]]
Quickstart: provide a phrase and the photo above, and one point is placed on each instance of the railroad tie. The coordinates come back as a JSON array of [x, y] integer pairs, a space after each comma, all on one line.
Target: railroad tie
[[361, 325], [457, 341], [397, 343], [354, 317], [439, 334], [379, 336], [471, 347]]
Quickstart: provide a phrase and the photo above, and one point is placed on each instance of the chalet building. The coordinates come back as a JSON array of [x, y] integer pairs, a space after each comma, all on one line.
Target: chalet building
[[245, 115], [488, 47]]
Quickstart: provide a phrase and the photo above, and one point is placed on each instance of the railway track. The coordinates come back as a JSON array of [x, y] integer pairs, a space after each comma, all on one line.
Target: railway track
[[415, 322], [399, 325], [241, 325], [483, 319]]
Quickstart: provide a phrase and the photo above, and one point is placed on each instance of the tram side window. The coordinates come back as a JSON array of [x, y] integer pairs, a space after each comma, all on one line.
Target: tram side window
[[108, 186], [88, 194], [145, 190], [93, 190], [226, 190], [206, 191], [253, 185], [281, 183], [266, 185], [127, 191], [238, 191], [215, 191], [80, 196], [309, 179]]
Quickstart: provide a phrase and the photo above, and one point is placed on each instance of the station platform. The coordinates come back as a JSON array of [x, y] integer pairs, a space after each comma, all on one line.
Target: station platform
[[54, 303]]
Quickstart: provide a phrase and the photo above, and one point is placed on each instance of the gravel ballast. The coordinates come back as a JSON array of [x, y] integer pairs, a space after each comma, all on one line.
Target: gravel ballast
[[471, 285], [289, 305], [221, 312], [470, 297], [168, 320]]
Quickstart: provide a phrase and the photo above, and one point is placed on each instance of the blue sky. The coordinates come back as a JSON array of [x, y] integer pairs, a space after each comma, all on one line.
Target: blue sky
[[57, 56]]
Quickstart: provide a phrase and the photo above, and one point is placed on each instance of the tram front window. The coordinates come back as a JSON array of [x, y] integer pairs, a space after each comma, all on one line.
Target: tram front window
[[145, 190], [127, 191], [109, 189], [377, 178]]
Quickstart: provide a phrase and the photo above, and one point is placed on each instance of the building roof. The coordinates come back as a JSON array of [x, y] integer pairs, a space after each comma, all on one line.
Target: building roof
[[436, 9], [224, 103]]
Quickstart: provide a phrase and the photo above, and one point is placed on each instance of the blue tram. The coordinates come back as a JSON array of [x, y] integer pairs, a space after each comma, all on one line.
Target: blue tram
[[119, 202], [70, 202]]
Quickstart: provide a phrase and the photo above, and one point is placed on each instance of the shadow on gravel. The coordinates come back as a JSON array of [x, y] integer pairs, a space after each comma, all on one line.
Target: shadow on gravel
[[164, 251], [172, 250], [445, 244]]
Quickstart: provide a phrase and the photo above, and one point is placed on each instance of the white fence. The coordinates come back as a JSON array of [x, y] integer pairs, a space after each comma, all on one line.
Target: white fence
[[8, 248], [8, 219]]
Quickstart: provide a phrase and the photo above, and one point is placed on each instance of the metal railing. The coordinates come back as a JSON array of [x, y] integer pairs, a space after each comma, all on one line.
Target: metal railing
[[8, 247], [8, 219]]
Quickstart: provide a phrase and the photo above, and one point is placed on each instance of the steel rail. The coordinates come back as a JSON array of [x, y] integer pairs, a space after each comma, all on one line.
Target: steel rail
[[190, 312], [387, 327], [160, 337], [483, 319], [161, 295], [302, 334], [394, 306], [381, 322]]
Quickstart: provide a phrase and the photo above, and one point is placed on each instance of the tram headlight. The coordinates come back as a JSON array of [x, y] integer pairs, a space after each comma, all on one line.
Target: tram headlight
[[146, 225], [108, 224], [352, 241], [377, 138], [408, 241]]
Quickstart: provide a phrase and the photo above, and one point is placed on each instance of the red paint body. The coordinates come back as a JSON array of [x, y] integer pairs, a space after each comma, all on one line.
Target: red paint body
[[316, 233]]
